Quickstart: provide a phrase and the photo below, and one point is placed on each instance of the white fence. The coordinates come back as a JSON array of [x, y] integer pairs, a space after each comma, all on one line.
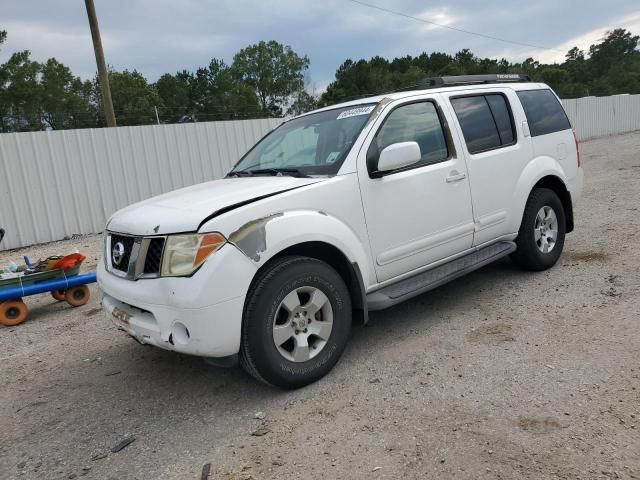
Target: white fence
[[600, 116], [62, 183], [56, 184]]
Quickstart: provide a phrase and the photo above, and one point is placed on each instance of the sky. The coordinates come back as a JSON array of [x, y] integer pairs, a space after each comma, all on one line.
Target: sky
[[159, 36]]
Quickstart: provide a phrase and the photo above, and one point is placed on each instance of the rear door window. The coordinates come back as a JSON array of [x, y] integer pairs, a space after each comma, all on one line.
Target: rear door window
[[501, 115], [544, 112], [485, 120]]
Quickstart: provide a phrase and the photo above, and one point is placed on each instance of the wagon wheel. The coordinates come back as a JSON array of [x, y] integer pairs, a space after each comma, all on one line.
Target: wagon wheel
[[13, 312], [77, 296], [59, 295]]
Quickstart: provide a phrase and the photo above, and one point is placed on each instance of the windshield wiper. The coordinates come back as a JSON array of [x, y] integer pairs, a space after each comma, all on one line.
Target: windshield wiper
[[294, 172], [239, 173]]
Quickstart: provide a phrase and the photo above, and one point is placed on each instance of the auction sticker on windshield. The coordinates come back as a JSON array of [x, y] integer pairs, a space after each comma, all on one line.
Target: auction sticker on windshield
[[354, 112]]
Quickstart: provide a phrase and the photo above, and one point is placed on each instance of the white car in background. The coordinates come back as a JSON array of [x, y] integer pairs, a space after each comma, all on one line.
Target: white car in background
[[350, 208]]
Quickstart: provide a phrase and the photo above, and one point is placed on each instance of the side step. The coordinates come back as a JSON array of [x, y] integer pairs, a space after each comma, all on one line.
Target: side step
[[425, 281]]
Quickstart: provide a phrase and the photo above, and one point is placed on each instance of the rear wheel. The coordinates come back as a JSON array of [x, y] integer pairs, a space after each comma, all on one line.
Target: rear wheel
[[77, 296], [541, 236], [13, 312], [58, 295], [296, 323]]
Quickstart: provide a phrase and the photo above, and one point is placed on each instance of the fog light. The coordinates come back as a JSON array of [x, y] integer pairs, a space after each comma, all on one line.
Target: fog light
[[180, 334]]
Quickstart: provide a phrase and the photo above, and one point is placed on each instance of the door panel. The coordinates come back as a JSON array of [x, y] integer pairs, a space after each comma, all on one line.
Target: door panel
[[496, 154], [419, 215]]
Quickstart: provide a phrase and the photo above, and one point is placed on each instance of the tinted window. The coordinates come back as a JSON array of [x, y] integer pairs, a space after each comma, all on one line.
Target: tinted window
[[416, 122], [478, 127], [544, 112], [501, 115]]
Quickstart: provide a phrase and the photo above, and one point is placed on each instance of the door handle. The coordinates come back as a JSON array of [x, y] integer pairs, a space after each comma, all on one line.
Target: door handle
[[456, 177]]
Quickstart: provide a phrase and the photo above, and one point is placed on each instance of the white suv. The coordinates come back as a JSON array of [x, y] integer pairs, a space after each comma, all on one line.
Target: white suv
[[350, 208]]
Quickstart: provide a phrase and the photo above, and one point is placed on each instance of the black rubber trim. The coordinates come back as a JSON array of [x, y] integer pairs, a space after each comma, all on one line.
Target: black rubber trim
[[228, 208], [362, 301]]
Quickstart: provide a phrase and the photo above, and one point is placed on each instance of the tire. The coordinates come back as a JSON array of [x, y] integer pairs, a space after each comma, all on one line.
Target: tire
[[13, 312], [77, 296], [295, 298], [58, 295], [535, 250]]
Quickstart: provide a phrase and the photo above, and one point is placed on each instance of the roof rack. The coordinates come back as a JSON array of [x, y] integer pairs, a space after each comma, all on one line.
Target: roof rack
[[458, 80]]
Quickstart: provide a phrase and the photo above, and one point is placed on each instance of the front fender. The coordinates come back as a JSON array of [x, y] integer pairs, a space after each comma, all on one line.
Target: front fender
[[261, 239], [535, 170]]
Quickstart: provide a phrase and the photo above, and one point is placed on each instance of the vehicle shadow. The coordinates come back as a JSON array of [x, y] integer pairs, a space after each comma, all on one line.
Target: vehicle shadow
[[430, 308]]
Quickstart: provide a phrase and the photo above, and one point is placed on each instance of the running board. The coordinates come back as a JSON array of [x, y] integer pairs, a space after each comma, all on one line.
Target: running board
[[425, 281]]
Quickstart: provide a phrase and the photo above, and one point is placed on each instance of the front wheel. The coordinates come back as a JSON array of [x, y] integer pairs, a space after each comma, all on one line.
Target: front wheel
[[13, 312], [541, 236], [296, 323]]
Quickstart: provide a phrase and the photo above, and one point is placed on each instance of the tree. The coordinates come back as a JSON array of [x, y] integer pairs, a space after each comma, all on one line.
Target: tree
[[175, 92], [65, 99], [273, 70], [612, 66], [20, 94], [211, 93], [37, 96], [218, 95], [303, 102], [616, 47], [555, 77], [3, 83], [134, 100], [268, 78]]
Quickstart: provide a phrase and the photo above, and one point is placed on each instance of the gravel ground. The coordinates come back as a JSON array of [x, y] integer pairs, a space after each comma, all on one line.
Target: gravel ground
[[501, 374]]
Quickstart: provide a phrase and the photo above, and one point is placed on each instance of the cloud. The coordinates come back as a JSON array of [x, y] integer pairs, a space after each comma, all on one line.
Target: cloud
[[583, 41], [157, 36], [75, 42]]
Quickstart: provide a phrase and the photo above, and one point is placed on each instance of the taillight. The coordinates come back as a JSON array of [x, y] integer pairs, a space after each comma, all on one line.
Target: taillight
[[577, 148]]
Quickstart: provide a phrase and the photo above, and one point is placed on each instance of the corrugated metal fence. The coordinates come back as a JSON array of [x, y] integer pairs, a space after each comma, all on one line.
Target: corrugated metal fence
[[62, 183], [56, 184], [599, 116]]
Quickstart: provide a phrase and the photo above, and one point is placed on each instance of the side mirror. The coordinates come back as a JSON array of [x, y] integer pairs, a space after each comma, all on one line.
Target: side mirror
[[399, 155]]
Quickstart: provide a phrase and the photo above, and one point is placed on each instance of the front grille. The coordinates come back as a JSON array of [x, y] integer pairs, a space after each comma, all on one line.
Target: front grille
[[141, 256], [154, 256], [127, 242]]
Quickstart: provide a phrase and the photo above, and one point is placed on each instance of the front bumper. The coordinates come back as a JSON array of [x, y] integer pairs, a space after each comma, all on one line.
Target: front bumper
[[198, 315]]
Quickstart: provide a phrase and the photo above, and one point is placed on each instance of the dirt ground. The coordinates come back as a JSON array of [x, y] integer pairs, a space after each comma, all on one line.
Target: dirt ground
[[502, 374]]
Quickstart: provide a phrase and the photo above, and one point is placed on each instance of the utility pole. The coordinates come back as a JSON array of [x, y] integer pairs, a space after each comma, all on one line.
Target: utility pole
[[102, 67]]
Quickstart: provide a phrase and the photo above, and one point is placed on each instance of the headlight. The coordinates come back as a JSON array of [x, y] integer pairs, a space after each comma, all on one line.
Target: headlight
[[183, 254]]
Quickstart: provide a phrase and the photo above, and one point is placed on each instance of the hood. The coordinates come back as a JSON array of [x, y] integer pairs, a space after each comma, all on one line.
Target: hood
[[184, 210]]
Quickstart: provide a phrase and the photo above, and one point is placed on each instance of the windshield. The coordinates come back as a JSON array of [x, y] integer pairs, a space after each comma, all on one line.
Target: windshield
[[314, 144]]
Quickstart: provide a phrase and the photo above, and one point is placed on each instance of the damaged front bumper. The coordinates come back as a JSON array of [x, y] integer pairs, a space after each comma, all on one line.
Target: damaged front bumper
[[198, 315]]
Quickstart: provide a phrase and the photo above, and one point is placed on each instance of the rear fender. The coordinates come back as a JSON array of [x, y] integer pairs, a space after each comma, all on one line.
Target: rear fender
[[537, 169]]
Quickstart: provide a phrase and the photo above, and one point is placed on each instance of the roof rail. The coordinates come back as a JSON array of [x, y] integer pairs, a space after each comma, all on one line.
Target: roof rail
[[458, 80]]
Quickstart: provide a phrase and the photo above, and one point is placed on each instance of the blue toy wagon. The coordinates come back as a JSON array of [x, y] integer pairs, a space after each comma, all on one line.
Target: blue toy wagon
[[63, 284]]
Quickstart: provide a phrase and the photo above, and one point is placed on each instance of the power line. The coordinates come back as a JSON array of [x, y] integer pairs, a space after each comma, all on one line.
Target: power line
[[424, 20]]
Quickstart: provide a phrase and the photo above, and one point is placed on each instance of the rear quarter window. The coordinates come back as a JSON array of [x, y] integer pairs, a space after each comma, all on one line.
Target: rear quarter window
[[544, 112]]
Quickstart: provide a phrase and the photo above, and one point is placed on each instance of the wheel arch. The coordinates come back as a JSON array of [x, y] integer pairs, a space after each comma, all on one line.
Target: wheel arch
[[554, 183], [330, 254], [542, 172]]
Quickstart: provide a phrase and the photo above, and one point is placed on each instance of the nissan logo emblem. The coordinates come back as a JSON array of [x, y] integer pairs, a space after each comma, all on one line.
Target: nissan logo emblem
[[117, 253]]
